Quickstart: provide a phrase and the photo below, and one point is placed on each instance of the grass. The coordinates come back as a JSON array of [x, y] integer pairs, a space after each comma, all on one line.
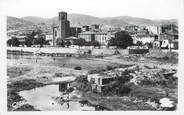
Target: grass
[[116, 103], [24, 85], [17, 86], [17, 71], [167, 57], [26, 107]]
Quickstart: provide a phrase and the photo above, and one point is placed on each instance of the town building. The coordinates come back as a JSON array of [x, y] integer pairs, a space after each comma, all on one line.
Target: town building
[[74, 31], [95, 27], [166, 41], [154, 29], [99, 81], [147, 38], [132, 29], [49, 37], [101, 37], [71, 39], [63, 29], [85, 28], [88, 36], [64, 25]]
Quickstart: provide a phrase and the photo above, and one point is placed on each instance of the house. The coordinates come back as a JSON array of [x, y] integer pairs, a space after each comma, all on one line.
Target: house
[[88, 36], [49, 37], [85, 28], [154, 29], [103, 38], [99, 81], [132, 29], [166, 41], [169, 44], [74, 31], [71, 39], [146, 38], [95, 27]]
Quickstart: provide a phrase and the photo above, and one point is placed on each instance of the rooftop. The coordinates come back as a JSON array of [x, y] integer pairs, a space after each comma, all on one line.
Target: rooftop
[[71, 38]]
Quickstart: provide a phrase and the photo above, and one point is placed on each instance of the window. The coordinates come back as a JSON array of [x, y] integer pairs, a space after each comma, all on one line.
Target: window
[[98, 80], [55, 33]]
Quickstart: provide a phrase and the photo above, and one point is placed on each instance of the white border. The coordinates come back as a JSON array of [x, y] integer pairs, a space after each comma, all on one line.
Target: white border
[[3, 81]]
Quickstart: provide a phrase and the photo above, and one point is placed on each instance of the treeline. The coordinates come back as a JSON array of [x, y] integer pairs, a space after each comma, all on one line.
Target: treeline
[[29, 40]]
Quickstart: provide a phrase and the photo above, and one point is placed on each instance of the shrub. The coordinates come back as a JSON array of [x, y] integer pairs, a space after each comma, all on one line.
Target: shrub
[[83, 84], [78, 68], [58, 74], [124, 90], [109, 67]]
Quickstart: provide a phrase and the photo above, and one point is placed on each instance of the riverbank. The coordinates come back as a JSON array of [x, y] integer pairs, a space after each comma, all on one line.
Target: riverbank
[[30, 72], [25, 73]]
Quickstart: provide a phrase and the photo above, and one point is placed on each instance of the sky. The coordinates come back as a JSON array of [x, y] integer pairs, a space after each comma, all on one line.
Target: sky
[[151, 9]]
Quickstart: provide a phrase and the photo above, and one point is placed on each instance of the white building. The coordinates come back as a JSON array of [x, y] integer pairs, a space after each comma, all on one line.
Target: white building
[[143, 38], [49, 37], [103, 37], [154, 29]]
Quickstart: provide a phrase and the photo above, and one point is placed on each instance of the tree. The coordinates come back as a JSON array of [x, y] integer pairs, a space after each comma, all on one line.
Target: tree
[[60, 42], [9, 42], [67, 43], [88, 43], [150, 45], [122, 40], [29, 42], [29, 39], [39, 41], [36, 31], [112, 42], [80, 42], [139, 43], [13, 41], [95, 43]]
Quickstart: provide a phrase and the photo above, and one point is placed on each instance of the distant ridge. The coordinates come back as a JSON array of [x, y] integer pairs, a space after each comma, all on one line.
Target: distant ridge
[[15, 23], [81, 19], [34, 19]]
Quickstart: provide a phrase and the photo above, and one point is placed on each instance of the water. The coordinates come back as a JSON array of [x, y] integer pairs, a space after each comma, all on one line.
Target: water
[[45, 99]]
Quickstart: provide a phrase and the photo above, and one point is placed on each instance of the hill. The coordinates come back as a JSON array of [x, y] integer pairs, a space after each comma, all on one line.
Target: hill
[[34, 19], [16, 23], [80, 19]]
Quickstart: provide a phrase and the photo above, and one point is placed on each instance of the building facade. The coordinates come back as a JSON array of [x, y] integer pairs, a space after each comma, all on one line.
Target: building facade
[[143, 39], [64, 25], [88, 36], [154, 29], [61, 31]]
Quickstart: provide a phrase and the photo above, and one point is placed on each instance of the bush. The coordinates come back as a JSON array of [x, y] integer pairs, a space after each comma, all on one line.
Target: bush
[[26, 107], [119, 87], [122, 40], [83, 84], [124, 90], [78, 68], [13, 42], [58, 74], [109, 67]]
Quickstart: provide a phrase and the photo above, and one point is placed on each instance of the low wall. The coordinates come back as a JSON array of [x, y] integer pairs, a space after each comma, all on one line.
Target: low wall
[[44, 50], [107, 51], [138, 51], [94, 51]]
